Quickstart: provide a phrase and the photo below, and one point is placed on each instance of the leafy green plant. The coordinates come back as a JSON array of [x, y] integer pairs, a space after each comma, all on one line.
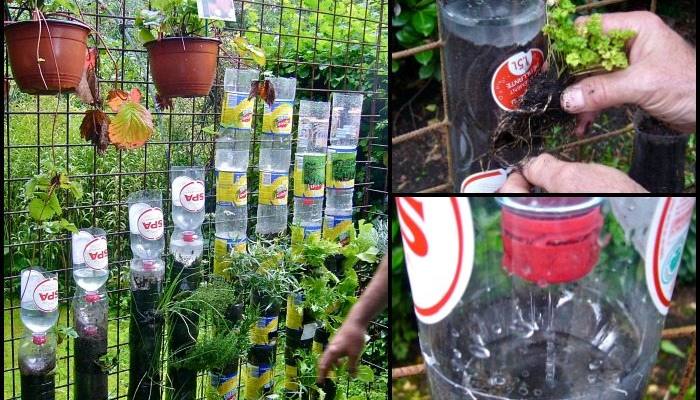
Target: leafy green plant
[[43, 195], [415, 23], [171, 18], [584, 48]]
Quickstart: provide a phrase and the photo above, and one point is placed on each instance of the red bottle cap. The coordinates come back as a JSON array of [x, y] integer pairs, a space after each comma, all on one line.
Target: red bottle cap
[[551, 249], [92, 297], [39, 339], [149, 265], [188, 236]]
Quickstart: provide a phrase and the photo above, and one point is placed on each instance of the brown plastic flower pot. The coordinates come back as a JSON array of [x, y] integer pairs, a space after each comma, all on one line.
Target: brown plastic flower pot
[[183, 66], [62, 45]]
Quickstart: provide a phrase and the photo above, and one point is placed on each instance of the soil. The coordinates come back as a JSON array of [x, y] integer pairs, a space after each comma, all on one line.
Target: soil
[[37, 380], [90, 379], [145, 333]]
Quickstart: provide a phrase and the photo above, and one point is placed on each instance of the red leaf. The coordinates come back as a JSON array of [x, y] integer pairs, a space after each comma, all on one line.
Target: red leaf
[[116, 98], [95, 129], [135, 95], [87, 88]]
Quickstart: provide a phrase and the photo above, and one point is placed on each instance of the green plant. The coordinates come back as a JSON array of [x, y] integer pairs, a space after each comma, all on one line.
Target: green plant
[[37, 8], [415, 23], [42, 194], [584, 48], [171, 18]]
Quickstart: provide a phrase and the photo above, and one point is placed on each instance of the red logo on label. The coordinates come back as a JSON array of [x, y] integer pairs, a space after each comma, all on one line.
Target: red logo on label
[[315, 186], [153, 225], [511, 78], [242, 193], [282, 194], [418, 245], [48, 296], [98, 256], [194, 197], [282, 122], [246, 116]]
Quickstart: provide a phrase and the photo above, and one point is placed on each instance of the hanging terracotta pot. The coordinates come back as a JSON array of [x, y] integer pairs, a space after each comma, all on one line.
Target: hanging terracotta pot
[[62, 50], [183, 66]]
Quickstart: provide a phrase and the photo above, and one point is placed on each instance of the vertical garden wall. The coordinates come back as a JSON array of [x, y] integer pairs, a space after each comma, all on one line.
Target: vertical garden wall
[[329, 46]]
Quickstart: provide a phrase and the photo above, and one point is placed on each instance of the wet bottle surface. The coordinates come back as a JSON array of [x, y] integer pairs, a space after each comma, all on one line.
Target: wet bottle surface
[[556, 305], [482, 38]]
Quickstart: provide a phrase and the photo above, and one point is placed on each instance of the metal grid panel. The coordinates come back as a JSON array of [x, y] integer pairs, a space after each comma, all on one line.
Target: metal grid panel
[[354, 63]]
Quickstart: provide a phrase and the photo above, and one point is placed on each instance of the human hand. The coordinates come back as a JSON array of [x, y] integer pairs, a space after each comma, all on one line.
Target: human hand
[[660, 78], [556, 176], [347, 341]]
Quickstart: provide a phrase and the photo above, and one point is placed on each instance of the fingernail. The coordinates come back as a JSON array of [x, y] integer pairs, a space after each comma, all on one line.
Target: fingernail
[[572, 99]]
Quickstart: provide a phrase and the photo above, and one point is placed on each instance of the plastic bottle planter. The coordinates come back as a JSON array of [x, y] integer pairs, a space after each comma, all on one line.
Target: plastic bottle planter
[[89, 248], [63, 62], [658, 159], [317, 347], [188, 196], [275, 157], [259, 372], [309, 165], [146, 329], [186, 248], [90, 322], [37, 367], [571, 303], [39, 313], [300, 331], [227, 381], [146, 224], [183, 66], [345, 120]]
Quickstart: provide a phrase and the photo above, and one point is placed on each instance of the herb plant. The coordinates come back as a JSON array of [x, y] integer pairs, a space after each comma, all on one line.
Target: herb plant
[[584, 48]]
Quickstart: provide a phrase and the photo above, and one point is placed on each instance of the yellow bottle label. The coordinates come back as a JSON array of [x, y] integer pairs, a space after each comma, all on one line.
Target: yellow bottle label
[[258, 378], [273, 188], [222, 250], [291, 374], [225, 385], [309, 175], [295, 310], [278, 118], [340, 168], [231, 188], [237, 111], [337, 228], [264, 332], [316, 348]]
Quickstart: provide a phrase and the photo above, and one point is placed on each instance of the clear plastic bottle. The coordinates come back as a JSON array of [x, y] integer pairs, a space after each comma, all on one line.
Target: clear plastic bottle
[[337, 225], [37, 366], [231, 220], [232, 149], [345, 121], [90, 323], [90, 262], [186, 246], [309, 165], [146, 224], [541, 297], [275, 158], [188, 196], [39, 299]]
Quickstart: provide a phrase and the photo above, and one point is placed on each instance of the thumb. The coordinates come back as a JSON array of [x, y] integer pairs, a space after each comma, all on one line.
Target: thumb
[[599, 92]]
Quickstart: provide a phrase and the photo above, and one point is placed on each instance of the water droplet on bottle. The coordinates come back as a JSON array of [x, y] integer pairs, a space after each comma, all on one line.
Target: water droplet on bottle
[[457, 353], [497, 329], [497, 380], [488, 289], [595, 364], [591, 378], [456, 365], [525, 374], [537, 392], [479, 351], [454, 333], [522, 391]]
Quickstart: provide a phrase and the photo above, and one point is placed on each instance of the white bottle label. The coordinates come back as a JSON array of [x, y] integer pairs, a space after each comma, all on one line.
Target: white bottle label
[[150, 224], [46, 295], [664, 250], [438, 238], [192, 196], [95, 253], [486, 181]]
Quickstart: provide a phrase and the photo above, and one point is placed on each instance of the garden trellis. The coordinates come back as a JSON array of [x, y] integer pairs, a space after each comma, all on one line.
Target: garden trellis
[[327, 45]]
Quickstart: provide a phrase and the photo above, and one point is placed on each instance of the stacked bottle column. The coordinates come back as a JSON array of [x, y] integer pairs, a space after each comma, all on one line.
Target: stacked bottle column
[[340, 165], [37, 351], [275, 158], [231, 164], [186, 247], [146, 227]]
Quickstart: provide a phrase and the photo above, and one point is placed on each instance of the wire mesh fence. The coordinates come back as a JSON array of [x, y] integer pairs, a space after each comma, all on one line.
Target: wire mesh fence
[[327, 45]]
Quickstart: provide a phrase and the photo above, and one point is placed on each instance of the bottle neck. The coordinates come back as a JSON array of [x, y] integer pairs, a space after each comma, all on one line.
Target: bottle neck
[[39, 339]]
